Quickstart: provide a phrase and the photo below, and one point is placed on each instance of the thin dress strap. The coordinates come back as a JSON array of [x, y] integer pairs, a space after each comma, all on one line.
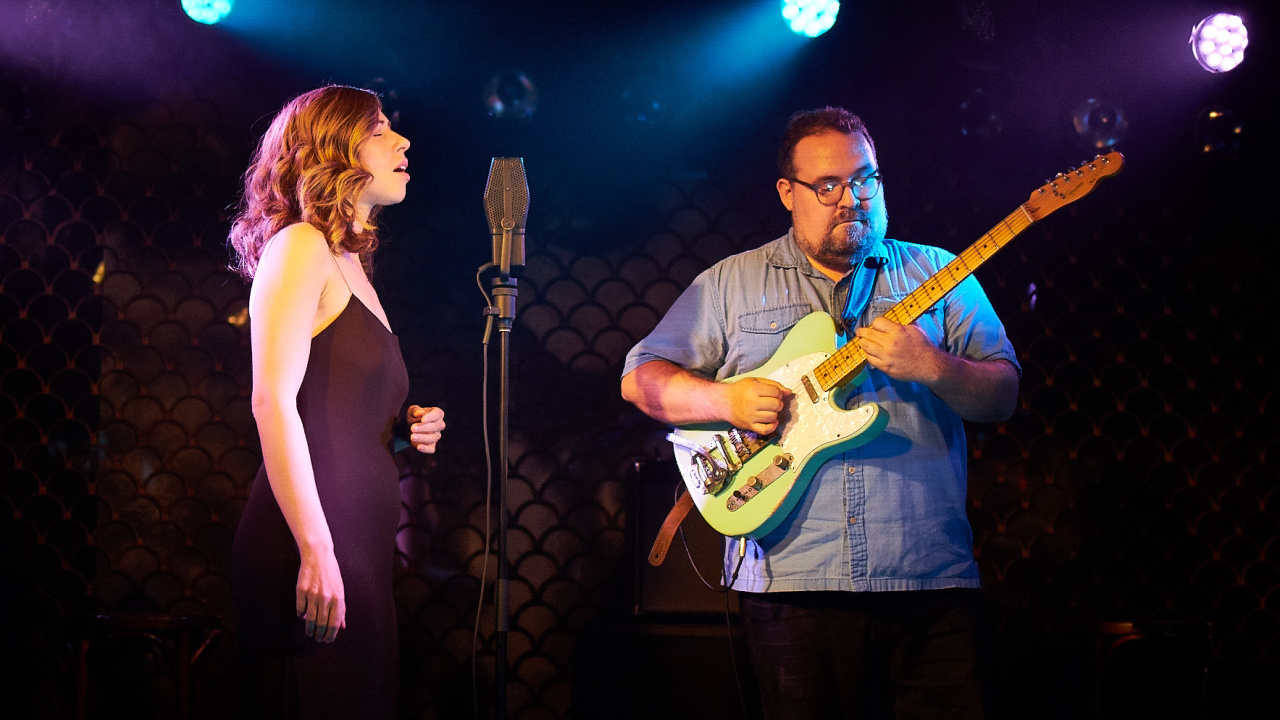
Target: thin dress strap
[[344, 275]]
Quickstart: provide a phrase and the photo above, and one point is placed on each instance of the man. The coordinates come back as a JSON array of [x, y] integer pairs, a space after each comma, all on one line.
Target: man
[[864, 602]]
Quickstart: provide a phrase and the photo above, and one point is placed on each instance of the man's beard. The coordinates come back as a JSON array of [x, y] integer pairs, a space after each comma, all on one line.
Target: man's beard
[[848, 239]]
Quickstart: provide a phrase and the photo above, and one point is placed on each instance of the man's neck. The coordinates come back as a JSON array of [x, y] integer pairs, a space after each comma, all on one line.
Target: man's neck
[[838, 271], [834, 273]]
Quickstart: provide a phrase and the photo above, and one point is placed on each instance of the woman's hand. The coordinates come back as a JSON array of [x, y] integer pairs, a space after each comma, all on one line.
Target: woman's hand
[[425, 426], [321, 599]]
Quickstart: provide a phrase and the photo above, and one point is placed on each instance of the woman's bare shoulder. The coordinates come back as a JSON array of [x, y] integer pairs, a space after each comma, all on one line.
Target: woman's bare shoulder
[[296, 244]]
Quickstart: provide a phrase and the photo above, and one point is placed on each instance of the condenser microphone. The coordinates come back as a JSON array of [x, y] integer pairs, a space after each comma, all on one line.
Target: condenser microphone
[[506, 202]]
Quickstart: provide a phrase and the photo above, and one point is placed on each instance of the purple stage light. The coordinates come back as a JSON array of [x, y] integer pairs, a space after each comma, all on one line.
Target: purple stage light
[[1218, 42]]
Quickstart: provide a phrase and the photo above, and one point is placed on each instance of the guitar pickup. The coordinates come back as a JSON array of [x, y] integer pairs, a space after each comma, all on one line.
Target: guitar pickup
[[809, 389], [756, 483], [732, 459]]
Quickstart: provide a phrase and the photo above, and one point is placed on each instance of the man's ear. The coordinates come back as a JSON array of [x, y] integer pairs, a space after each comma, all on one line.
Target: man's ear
[[784, 194]]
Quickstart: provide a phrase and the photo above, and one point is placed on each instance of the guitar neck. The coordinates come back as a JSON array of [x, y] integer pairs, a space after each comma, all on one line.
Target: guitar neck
[[849, 360]]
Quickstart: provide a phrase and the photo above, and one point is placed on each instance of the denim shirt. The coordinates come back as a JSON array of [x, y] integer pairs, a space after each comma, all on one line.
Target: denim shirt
[[889, 515]]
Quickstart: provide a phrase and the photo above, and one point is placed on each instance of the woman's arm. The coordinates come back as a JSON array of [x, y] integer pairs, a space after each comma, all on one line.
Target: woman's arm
[[291, 278]]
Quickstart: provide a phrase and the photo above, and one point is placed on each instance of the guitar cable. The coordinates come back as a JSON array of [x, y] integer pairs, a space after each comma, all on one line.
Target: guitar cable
[[728, 620]]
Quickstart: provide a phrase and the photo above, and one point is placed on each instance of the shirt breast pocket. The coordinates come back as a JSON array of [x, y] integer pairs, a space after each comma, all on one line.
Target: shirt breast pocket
[[931, 321], [760, 333]]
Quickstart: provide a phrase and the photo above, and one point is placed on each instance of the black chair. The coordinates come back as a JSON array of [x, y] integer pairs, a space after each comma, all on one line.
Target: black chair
[[177, 642]]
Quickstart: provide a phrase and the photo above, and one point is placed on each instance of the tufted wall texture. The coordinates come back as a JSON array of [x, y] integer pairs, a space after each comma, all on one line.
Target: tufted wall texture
[[1136, 483]]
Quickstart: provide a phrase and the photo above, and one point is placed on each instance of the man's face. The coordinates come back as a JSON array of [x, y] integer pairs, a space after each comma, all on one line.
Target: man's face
[[834, 236]]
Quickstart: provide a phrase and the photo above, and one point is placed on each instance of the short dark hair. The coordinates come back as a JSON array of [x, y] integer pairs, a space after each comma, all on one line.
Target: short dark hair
[[816, 122]]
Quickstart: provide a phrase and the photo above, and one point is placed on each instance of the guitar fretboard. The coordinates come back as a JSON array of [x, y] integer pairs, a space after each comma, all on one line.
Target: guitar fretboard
[[849, 360]]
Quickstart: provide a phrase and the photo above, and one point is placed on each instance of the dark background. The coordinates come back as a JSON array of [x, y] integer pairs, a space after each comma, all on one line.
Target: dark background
[[1136, 483]]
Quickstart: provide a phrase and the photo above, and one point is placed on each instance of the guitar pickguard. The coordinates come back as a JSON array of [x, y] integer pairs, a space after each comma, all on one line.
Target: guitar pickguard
[[757, 492]]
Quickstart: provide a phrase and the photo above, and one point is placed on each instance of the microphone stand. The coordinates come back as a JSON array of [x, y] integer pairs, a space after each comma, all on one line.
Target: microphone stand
[[504, 300]]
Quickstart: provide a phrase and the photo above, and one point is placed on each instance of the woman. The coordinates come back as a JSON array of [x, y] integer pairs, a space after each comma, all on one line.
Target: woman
[[313, 555]]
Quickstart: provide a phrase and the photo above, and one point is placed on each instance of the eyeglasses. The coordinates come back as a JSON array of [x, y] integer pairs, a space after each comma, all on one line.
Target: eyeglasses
[[829, 192]]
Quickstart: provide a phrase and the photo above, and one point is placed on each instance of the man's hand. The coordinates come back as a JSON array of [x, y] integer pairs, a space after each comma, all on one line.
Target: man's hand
[[754, 404], [981, 391], [903, 352]]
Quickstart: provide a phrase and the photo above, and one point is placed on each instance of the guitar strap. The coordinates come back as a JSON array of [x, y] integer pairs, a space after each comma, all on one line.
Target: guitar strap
[[860, 285], [663, 542]]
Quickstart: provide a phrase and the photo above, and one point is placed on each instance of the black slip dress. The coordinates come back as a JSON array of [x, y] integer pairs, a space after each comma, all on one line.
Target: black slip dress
[[351, 395]]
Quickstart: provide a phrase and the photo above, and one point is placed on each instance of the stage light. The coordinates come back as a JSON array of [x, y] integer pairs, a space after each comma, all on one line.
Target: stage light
[[511, 95], [810, 18], [981, 116], [643, 102], [1218, 42], [1219, 132], [207, 11], [1099, 123]]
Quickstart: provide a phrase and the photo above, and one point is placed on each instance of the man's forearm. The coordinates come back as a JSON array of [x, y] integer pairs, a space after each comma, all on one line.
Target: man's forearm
[[980, 391], [668, 393]]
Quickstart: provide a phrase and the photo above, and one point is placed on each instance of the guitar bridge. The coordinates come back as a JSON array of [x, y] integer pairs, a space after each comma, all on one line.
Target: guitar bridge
[[714, 466]]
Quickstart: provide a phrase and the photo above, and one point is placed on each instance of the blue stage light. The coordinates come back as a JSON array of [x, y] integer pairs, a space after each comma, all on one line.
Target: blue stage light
[[207, 11], [810, 18]]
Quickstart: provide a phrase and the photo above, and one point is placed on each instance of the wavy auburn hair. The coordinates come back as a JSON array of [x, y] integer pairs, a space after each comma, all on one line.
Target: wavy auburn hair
[[306, 169]]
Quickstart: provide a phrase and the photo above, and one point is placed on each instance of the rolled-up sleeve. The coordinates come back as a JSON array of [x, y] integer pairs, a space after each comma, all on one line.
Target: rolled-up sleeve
[[691, 334], [973, 329]]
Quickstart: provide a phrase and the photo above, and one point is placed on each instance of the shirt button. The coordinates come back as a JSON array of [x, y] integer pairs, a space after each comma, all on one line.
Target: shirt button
[[773, 326], [852, 470], [853, 520]]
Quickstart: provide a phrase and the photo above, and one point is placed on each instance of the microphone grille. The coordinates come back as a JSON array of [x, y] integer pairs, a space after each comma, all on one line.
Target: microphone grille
[[506, 174]]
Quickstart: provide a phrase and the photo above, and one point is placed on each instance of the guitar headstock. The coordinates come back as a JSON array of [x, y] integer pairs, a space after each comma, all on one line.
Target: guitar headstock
[[1072, 185]]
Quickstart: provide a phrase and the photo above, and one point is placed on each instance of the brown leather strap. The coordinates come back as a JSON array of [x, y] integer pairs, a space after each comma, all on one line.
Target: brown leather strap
[[669, 526]]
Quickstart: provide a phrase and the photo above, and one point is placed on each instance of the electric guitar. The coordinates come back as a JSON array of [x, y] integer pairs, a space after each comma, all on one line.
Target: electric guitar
[[745, 484]]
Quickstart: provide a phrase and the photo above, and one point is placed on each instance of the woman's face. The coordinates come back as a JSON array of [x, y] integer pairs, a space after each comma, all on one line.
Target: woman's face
[[383, 156]]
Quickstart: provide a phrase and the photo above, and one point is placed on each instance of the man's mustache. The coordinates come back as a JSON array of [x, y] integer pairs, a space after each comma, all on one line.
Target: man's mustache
[[845, 216]]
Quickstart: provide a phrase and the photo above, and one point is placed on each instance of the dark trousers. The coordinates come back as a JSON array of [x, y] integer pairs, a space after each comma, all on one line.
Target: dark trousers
[[868, 655]]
